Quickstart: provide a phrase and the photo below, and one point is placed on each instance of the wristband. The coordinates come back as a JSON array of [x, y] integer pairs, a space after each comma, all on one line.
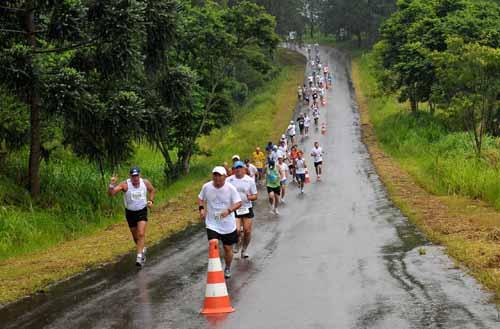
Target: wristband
[[151, 201], [200, 208]]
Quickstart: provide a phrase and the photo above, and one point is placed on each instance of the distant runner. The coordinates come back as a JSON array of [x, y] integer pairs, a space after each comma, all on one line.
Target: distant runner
[[259, 159], [300, 171], [245, 186], [307, 124], [291, 131], [300, 121], [317, 155], [136, 201], [273, 187], [316, 116], [252, 170], [222, 200], [283, 169]]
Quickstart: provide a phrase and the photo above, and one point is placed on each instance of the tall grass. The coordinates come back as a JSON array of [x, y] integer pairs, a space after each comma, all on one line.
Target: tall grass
[[442, 160], [74, 201]]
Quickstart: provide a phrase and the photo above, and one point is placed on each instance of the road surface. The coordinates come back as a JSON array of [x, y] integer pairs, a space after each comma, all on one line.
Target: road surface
[[339, 256]]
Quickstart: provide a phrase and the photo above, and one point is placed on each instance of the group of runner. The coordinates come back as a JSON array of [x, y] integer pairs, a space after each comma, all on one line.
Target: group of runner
[[226, 202]]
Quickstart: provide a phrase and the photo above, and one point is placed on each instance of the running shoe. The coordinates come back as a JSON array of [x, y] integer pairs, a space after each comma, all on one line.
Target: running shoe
[[236, 248], [301, 190], [139, 261], [227, 272], [244, 254], [143, 255], [276, 212]]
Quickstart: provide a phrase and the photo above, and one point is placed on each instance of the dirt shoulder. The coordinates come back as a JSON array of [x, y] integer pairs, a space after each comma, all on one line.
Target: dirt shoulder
[[469, 229]]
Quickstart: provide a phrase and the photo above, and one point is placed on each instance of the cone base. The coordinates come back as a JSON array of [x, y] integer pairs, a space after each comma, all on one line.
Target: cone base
[[217, 310]]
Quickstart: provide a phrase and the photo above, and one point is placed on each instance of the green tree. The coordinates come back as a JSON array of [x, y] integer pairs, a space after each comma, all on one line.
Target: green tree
[[469, 76]]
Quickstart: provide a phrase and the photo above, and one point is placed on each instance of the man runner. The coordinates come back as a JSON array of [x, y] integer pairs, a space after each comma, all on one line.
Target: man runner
[[259, 158], [222, 200], [273, 187], [291, 132], [283, 169], [307, 124], [300, 171], [301, 121], [136, 201], [245, 186], [317, 155]]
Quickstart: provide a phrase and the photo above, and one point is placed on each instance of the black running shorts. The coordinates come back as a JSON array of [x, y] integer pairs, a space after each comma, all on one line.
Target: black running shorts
[[227, 239], [135, 216]]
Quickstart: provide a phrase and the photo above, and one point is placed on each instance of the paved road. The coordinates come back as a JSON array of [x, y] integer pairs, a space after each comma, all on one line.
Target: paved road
[[340, 256]]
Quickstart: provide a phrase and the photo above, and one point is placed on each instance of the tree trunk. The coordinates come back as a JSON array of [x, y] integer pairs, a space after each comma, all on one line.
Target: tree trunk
[[34, 103], [359, 39]]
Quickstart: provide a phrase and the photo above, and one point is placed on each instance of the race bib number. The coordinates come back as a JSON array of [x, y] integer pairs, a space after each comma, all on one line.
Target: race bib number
[[136, 196], [218, 215], [242, 211]]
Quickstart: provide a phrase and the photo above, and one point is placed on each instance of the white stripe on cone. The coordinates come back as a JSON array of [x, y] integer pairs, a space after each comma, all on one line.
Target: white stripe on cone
[[216, 290], [214, 265]]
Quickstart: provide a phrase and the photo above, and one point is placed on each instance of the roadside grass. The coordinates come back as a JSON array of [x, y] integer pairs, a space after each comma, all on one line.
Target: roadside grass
[[442, 161], [42, 259], [434, 177]]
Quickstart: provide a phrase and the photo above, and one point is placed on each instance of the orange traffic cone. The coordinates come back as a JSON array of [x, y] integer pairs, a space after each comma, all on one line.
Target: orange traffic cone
[[308, 178], [216, 297]]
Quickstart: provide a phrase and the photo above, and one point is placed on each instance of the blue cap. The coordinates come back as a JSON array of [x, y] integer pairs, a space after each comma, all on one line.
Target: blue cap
[[134, 171], [238, 164]]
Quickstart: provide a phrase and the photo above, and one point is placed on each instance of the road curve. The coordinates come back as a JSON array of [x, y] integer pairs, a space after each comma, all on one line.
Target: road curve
[[339, 256]]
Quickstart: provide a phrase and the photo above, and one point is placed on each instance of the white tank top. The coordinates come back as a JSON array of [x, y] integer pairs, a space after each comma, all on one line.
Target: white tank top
[[136, 197]]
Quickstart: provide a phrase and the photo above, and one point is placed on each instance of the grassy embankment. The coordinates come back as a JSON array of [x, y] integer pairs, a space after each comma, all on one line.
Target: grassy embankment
[[51, 245], [434, 176]]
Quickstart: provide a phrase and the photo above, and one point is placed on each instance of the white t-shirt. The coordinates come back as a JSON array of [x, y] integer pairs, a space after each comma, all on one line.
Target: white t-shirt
[[284, 171], [291, 129], [219, 200], [244, 186], [307, 121], [252, 170], [310, 78], [317, 154], [300, 166]]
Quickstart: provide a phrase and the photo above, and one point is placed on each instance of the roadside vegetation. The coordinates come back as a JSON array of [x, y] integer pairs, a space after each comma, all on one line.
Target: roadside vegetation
[[263, 117], [428, 95], [88, 89]]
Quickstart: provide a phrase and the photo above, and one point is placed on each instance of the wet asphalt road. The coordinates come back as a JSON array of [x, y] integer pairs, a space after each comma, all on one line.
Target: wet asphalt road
[[339, 256]]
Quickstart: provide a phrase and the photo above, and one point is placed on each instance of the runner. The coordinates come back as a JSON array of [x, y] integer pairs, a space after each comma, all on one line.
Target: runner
[[273, 186], [283, 178], [317, 155], [311, 80], [330, 79], [325, 71], [259, 158], [307, 124], [300, 121], [300, 171], [235, 158], [316, 116], [222, 200], [245, 186], [322, 96], [299, 93], [136, 201], [291, 131], [293, 158], [282, 150], [252, 171]]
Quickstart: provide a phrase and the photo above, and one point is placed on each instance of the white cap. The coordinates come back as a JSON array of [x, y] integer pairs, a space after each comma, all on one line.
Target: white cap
[[219, 170], [283, 136], [236, 156], [291, 121]]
